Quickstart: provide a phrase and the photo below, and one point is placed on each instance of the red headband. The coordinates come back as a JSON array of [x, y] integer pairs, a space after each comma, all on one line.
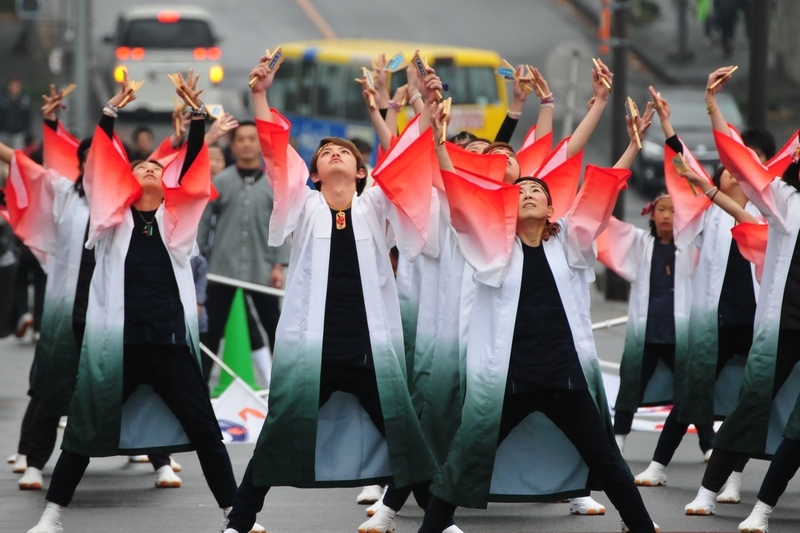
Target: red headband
[[652, 205]]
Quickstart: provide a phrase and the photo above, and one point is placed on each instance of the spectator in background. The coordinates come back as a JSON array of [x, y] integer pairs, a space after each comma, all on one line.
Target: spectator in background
[[216, 156], [727, 15], [15, 115], [143, 145], [239, 221]]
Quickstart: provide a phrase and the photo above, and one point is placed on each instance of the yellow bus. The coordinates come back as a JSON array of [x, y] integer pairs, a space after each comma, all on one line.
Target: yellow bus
[[314, 88]]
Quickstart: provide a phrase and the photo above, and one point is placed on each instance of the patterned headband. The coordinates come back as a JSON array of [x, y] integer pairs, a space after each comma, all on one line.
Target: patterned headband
[[652, 205]]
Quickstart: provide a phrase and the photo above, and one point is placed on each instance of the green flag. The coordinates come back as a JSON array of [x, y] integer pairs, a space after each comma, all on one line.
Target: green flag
[[236, 352]]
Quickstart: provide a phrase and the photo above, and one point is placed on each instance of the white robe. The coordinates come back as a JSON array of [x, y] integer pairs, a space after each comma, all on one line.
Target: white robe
[[302, 444]]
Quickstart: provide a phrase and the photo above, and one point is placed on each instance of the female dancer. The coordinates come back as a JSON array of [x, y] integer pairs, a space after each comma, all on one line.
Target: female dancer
[[768, 385], [723, 298], [533, 273], [141, 316], [660, 269]]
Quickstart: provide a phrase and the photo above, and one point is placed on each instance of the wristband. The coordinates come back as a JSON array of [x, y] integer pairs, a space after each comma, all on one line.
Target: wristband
[[514, 114], [111, 108], [551, 105], [200, 111], [413, 98], [712, 189], [547, 99], [395, 105]]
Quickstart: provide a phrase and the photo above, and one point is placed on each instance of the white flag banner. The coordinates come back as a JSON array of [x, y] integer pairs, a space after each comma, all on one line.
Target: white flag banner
[[240, 413]]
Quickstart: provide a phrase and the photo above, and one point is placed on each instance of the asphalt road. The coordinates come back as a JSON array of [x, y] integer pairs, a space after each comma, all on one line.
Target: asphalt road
[[117, 496]]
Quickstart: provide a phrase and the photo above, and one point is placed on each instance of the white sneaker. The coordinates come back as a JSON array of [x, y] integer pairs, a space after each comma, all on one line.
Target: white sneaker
[[166, 478], [704, 504], [586, 506], [31, 479], [372, 509], [20, 464], [370, 494], [138, 459], [50, 522], [653, 476], [381, 522], [176, 466], [758, 521], [707, 455], [452, 529], [12, 459], [730, 491], [620, 442], [626, 530], [257, 528]]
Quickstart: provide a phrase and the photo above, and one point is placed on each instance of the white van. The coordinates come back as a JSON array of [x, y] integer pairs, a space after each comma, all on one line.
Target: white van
[[152, 41]]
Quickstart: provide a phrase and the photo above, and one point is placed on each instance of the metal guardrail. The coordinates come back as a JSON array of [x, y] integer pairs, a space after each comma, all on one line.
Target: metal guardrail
[[246, 285]]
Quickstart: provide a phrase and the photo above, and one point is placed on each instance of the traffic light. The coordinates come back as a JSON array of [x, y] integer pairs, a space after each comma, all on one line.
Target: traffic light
[[28, 9]]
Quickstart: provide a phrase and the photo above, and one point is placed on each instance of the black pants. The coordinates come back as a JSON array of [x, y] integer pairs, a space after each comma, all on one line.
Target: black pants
[[8, 316], [38, 434], [784, 466], [732, 341], [723, 462], [218, 305], [574, 413], [623, 420], [360, 382], [29, 272], [175, 376], [396, 497]]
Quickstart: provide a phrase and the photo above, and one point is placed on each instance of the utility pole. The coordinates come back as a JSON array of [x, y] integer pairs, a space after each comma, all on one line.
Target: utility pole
[[759, 46], [81, 66], [616, 287]]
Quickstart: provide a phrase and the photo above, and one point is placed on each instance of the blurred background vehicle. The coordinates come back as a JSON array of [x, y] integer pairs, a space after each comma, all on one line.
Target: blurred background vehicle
[[152, 41], [314, 88], [690, 120]]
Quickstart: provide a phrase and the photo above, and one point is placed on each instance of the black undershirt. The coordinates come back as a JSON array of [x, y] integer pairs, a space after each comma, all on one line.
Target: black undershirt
[[345, 339], [506, 130], [250, 175], [543, 351], [661, 307], [85, 272], [153, 309], [790, 308], [737, 302]]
